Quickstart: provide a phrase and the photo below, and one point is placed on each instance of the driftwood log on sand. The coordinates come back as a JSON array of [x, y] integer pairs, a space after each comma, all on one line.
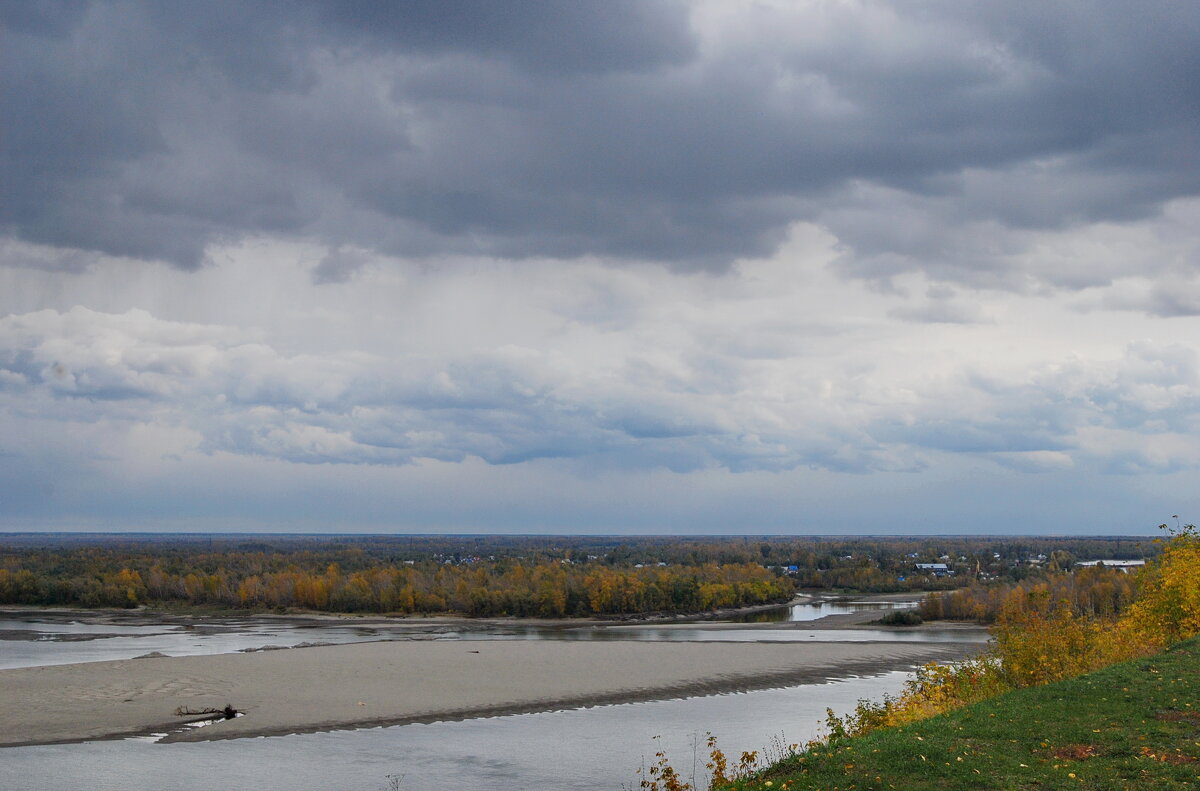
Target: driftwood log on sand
[[229, 712]]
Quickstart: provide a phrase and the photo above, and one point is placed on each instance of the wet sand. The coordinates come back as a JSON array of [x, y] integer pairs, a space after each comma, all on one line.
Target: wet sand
[[388, 683]]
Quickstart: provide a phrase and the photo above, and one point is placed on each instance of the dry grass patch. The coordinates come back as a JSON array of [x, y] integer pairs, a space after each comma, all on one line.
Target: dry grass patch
[[1178, 716]]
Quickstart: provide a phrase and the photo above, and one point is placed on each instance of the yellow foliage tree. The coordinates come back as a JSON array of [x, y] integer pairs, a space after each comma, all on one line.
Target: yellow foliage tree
[[1167, 609]]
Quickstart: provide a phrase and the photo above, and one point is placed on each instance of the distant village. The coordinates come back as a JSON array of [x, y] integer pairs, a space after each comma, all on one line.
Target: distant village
[[880, 563]]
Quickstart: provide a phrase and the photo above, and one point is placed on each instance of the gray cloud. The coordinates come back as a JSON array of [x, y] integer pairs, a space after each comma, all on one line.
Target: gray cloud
[[1172, 295], [1133, 415], [233, 394], [338, 266], [541, 35], [153, 130], [942, 306], [243, 397]]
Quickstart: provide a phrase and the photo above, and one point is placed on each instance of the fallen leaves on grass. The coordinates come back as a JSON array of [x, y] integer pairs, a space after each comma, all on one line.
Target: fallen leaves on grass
[[1075, 752], [1176, 758]]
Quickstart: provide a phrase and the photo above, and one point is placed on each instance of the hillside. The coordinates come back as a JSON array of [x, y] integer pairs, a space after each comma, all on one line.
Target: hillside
[[1135, 725]]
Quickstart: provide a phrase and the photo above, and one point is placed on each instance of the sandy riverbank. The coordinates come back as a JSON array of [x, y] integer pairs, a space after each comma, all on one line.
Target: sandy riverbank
[[366, 684]]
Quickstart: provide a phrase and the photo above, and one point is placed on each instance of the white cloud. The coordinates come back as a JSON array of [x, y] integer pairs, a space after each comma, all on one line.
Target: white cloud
[[777, 366]]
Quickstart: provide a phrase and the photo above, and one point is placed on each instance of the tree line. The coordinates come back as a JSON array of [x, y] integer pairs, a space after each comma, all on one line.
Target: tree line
[[547, 576], [487, 588], [1089, 591]]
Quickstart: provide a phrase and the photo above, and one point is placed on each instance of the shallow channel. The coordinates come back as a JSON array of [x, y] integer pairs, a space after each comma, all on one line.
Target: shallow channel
[[59, 638]]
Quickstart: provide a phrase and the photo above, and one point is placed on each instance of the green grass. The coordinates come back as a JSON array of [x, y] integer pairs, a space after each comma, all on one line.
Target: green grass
[[1107, 730]]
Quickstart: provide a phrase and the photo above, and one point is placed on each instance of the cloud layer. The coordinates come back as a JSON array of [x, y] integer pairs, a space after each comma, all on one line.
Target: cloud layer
[[745, 371], [621, 265], [688, 133]]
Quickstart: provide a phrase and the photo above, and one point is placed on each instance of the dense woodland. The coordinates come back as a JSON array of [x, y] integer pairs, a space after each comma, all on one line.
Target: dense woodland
[[1091, 591], [522, 576]]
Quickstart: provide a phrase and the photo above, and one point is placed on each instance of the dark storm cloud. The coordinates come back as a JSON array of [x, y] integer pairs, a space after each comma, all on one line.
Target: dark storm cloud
[[541, 35], [563, 129]]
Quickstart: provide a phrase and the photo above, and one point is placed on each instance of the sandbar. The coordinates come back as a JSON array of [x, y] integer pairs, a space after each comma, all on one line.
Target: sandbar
[[396, 682]]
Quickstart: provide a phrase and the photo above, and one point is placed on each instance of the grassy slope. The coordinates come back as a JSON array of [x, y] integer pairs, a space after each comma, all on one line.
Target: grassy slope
[[1108, 730]]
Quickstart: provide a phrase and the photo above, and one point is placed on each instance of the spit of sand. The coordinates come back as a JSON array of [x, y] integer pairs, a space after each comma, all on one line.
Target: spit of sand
[[395, 682]]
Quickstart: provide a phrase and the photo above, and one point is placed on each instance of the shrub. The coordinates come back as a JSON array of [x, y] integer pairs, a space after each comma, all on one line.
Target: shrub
[[902, 618]]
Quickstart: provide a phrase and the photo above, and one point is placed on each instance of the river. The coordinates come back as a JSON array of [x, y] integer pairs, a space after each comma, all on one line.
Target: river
[[592, 748]]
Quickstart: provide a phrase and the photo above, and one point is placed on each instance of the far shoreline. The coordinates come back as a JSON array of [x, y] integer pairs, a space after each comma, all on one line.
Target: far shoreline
[[184, 615], [316, 616]]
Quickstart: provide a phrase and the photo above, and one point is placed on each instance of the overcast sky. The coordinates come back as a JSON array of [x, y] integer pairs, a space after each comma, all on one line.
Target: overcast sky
[[563, 266]]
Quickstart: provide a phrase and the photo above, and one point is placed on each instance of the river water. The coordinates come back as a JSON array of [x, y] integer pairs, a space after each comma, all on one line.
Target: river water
[[67, 637], [820, 608], [592, 748]]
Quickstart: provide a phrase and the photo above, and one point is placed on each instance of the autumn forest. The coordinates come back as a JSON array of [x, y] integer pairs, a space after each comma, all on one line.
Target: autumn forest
[[521, 576]]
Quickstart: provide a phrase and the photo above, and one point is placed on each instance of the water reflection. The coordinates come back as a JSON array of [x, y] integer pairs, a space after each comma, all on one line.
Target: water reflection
[[811, 611]]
